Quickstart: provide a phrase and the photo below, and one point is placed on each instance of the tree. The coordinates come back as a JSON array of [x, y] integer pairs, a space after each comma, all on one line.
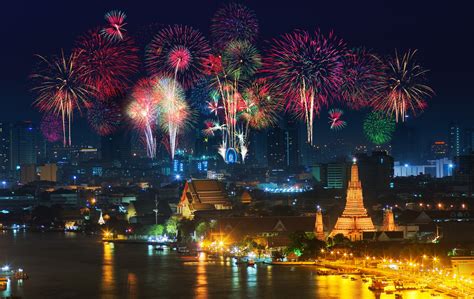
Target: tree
[[306, 245], [156, 230], [172, 226]]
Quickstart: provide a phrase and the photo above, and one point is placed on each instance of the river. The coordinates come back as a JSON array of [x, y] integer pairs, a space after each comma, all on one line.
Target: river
[[77, 266]]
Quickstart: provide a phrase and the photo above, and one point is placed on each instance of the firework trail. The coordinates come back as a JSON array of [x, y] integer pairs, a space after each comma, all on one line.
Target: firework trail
[[307, 69], [378, 127], [51, 127], [107, 65], [233, 22], [335, 119], [173, 109], [143, 112], [115, 25], [232, 71], [61, 88], [104, 117], [404, 87]]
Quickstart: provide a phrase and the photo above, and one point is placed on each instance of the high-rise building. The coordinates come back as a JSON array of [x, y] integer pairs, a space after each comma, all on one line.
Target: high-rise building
[[282, 146], [276, 148], [464, 171], [116, 146], [292, 151], [454, 140], [439, 149], [468, 144], [336, 175], [376, 173], [24, 138], [4, 148], [406, 144]]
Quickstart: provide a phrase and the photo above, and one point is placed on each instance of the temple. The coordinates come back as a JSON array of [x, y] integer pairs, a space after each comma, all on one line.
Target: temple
[[354, 221]]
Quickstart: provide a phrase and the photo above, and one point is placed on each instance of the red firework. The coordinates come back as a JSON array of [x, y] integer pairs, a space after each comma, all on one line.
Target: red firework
[[363, 75], [213, 65], [108, 65], [178, 52], [335, 119], [115, 25]]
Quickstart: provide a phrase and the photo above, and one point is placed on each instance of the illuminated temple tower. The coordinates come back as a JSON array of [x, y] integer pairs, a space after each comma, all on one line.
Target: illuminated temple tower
[[354, 220], [319, 227]]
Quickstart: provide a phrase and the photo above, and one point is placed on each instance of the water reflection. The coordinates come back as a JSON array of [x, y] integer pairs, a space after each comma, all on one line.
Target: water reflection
[[201, 290], [132, 285], [108, 271]]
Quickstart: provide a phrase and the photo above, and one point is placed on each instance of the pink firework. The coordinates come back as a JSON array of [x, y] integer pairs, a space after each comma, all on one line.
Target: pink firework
[[307, 69], [143, 112], [115, 25], [107, 65], [51, 127], [363, 75], [335, 119], [178, 52]]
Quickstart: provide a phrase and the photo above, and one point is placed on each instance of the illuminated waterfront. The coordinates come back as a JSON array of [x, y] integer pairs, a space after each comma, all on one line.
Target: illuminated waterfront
[[77, 266]]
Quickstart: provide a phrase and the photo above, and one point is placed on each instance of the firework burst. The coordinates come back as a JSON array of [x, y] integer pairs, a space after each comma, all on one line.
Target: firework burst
[[241, 60], [61, 89], [308, 70], [175, 115], [378, 127], [51, 127], [115, 25], [178, 52], [143, 112], [233, 22], [335, 121], [261, 105], [404, 88], [104, 117], [107, 65], [363, 74]]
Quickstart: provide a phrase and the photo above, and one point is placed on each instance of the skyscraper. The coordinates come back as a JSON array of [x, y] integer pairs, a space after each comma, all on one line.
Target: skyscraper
[[4, 147], [116, 146], [24, 137], [454, 140], [276, 148]]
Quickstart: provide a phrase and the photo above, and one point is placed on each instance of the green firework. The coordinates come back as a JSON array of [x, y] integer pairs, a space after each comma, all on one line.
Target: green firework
[[378, 127]]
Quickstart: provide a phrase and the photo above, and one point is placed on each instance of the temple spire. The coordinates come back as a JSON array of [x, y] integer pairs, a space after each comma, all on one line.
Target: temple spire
[[354, 219]]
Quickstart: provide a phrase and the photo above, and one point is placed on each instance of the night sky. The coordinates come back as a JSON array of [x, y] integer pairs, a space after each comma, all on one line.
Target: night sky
[[442, 31]]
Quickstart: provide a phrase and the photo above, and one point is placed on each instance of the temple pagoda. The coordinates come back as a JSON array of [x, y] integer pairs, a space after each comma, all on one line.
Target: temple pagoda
[[354, 220]]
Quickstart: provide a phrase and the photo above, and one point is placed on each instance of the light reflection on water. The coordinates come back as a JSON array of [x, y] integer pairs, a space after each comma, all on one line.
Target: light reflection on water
[[83, 267], [108, 277]]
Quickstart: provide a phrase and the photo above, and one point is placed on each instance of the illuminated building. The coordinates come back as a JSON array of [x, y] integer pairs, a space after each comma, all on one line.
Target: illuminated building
[[48, 172], [203, 196], [439, 149], [23, 140], [354, 219], [454, 139], [4, 147], [336, 174]]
